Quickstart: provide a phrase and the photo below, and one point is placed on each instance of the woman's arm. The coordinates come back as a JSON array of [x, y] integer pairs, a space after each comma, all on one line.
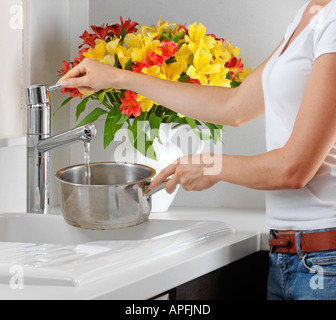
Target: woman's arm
[[291, 166], [228, 106]]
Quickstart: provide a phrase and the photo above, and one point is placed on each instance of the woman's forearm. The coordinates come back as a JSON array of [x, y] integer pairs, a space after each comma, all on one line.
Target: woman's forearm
[[273, 170], [218, 105]]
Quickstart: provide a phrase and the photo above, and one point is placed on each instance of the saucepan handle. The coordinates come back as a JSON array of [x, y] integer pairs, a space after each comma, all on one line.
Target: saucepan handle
[[149, 191]]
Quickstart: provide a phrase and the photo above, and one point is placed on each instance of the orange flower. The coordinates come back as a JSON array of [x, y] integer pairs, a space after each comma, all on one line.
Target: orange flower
[[235, 65], [153, 59], [168, 49], [129, 105]]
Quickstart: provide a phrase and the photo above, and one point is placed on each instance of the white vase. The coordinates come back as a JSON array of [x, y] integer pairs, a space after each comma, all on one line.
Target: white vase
[[175, 142]]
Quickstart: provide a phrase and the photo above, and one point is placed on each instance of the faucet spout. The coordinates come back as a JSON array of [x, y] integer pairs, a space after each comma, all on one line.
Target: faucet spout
[[40, 142], [84, 133]]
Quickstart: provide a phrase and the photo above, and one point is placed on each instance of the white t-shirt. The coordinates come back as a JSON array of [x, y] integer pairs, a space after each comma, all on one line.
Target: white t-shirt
[[284, 82]]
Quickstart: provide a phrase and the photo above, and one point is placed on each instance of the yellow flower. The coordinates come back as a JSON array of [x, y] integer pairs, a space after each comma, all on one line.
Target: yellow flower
[[108, 59], [140, 46], [155, 31], [123, 55], [153, 71], [171, 71], [98, 52], [86, 92], [221, 55], [231, 49], [242, 75], [146, 104], [133, 41], [219, 78], [112, 46], [183, 57], [198, 38], [202, 67]]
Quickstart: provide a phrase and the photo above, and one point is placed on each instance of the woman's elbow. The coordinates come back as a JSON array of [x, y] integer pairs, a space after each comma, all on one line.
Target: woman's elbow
[[294, 178]]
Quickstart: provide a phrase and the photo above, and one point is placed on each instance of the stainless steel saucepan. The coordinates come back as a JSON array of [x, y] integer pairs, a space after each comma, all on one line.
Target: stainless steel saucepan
[[118, 195]]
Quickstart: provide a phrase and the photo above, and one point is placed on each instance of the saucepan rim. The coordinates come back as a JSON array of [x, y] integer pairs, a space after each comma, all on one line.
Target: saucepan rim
[[59, 172]]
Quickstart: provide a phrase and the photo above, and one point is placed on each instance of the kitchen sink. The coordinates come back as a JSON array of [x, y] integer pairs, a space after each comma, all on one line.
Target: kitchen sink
[[52, 252]]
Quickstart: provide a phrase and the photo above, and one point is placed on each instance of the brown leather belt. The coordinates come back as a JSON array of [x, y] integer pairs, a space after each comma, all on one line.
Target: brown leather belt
[[309, 242]]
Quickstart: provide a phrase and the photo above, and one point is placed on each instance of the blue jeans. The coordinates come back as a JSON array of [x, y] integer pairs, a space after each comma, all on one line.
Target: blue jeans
[[312, 277]]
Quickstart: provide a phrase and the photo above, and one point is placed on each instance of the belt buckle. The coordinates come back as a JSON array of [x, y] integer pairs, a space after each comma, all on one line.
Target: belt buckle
[[282, 242]]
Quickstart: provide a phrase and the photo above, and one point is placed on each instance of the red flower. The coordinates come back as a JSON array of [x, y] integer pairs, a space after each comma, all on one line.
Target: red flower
[[152, 59], [183, 28], [138, 67], [212, 35], [81, 54], [168, 49], [73, 92], [65, 68], [89, 39], [196, 81], [235, 63], [115, 30], [129, 25], [102, 32], [129, 105]]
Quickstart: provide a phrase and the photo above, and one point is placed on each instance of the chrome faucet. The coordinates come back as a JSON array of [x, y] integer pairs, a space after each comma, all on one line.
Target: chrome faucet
[[40, 143]]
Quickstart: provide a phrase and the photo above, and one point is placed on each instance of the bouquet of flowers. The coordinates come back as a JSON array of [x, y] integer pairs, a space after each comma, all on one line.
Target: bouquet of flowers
[[168, 51]]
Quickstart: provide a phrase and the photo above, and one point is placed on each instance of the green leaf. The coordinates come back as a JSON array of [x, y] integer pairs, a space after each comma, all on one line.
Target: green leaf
[[140, 140], [114, 97], [101, 96], [191, 122], [63, 104], [122, 34], [92, 116], [122, 119], [129, 64], [81, 107], [235, 84], [178, 37], [154, 124], [216, 131], [114, 122]]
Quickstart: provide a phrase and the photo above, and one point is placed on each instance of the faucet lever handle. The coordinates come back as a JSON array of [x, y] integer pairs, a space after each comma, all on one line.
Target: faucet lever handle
[[55, 87]]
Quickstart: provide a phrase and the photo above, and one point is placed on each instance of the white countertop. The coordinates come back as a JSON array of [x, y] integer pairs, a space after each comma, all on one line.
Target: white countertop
[[159, 275], [242, 220]]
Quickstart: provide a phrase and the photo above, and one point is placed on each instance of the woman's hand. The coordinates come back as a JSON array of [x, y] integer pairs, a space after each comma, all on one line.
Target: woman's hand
[[193, 172], [90, 75]]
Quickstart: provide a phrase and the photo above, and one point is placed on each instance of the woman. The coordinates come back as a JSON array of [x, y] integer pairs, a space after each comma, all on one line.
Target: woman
[[294, 87]]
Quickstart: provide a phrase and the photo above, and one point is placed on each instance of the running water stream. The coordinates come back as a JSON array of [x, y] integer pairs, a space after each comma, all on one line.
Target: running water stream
[[87, 161]]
